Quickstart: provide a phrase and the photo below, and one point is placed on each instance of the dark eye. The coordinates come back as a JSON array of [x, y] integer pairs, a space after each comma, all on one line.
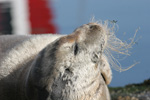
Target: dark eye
[[76, 48]]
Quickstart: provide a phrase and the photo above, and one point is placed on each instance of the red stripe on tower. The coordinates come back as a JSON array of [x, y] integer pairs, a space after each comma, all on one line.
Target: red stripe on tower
[[41, 16]]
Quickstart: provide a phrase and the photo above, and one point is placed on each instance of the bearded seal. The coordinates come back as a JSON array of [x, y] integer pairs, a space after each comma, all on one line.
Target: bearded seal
[[55, 67]]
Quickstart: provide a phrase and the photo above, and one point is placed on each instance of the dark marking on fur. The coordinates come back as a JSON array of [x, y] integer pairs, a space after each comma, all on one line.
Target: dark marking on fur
[[42, 93], [57, 87], [68, 71]]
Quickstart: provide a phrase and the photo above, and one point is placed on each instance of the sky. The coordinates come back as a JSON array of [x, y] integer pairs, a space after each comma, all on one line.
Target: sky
[[129, 14]]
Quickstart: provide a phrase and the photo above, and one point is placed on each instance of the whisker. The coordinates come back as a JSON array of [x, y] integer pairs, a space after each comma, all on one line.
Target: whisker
[[115, 45]]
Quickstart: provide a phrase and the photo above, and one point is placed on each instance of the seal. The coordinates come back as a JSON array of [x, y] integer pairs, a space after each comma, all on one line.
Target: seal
[[56, 67]]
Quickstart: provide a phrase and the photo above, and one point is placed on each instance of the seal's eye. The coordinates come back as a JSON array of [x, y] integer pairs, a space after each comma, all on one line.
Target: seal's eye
[[76, 48]]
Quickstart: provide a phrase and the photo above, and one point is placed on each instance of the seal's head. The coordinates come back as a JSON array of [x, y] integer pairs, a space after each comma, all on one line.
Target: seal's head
[[72, 68]]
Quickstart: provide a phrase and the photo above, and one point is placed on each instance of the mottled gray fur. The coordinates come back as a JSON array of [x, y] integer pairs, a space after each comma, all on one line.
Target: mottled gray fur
[[45, 67]]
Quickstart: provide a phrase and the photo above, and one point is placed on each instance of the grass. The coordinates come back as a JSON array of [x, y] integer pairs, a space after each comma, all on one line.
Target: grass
[[130, 89]]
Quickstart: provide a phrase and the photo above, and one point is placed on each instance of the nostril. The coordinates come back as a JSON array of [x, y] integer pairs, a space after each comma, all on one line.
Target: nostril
[[95, 27], [92, 26]]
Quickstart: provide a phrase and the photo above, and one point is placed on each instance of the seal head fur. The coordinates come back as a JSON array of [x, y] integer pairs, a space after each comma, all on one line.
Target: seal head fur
[[70, 67]]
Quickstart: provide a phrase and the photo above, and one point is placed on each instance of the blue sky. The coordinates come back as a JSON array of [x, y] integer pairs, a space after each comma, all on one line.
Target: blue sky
[[130, 14]]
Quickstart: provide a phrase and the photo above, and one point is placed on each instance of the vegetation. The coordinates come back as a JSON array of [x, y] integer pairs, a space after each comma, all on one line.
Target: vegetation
[[129, 90]]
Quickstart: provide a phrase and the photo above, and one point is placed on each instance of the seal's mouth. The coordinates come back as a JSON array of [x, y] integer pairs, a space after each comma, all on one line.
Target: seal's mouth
[[104, 78]]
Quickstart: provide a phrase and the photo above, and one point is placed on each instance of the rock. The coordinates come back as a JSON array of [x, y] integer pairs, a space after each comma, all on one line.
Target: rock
[[134, 98]]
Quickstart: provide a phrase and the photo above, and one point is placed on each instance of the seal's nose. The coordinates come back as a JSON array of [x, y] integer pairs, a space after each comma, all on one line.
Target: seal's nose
[[94, 26]]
